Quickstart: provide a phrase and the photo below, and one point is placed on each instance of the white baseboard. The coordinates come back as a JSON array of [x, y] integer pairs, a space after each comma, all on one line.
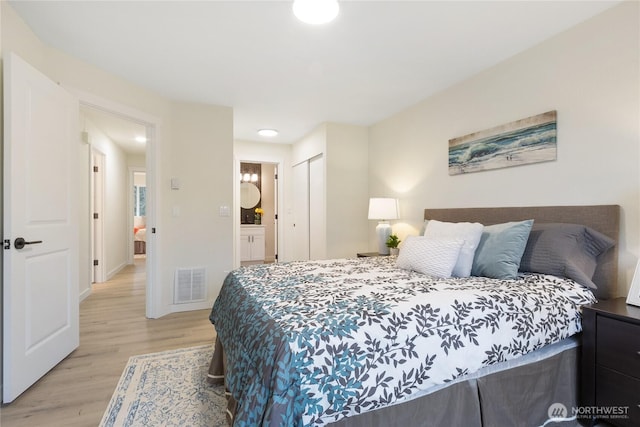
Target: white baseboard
[[176, 308], [116, 270], [84, 294]]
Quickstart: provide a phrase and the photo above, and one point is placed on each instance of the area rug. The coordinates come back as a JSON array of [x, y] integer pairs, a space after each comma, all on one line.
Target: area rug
[[167, 389]]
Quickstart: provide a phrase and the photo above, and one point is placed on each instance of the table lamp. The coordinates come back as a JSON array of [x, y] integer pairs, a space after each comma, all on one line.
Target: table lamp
[[383, 209]]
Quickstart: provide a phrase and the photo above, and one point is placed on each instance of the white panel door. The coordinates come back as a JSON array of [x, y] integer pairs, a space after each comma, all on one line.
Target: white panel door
[[301, 212], [317, 210], [40, 304]]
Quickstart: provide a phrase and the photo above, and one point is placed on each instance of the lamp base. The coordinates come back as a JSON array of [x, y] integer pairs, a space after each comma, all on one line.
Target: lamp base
[[383, 231]]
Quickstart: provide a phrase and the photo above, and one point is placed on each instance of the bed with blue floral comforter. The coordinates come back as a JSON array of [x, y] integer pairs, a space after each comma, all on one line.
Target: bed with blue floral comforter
[[309, 343]]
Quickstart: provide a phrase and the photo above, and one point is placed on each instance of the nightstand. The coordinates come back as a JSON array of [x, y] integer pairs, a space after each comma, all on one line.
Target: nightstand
[[368, 254], [610, 388]]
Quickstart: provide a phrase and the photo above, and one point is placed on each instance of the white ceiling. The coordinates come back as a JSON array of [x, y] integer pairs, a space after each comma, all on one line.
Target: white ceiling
[[375, 59], [121, 131]]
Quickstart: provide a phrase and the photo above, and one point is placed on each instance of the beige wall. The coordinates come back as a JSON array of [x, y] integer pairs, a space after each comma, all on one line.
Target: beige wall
[[347, 181], [201, 154], [194, 143], [345, 151], [136, 161], [589, 74]]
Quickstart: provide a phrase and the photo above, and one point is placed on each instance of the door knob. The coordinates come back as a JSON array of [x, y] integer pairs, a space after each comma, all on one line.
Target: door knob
[[20, 243]]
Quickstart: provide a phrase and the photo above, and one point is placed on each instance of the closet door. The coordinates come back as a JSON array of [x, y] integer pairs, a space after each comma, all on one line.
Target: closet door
[[301, 211], [317, 210]]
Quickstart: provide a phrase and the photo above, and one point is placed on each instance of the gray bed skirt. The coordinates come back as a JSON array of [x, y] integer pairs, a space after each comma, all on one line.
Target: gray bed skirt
[[519, 396], [514, 394]]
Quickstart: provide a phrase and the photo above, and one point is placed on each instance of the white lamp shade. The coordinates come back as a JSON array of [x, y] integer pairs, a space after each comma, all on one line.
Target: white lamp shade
[[383, 208]]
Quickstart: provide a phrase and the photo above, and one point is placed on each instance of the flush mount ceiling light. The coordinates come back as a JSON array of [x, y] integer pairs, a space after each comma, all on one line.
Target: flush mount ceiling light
[[141, 139], [267, 132], [315, 12]]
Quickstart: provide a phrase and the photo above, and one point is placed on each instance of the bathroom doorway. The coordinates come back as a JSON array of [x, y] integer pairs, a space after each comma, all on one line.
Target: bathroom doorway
[[258, 212]]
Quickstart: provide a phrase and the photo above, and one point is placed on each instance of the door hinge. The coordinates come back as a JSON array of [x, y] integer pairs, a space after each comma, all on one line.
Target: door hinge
[[95, 262], [7, 243], [276, 176], [95, 168], [153, 230], [95, 215], [276, 217], [276, 257]]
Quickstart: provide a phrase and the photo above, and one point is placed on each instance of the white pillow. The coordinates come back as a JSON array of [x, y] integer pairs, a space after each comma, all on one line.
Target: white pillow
[[469, 232], [435, 257]]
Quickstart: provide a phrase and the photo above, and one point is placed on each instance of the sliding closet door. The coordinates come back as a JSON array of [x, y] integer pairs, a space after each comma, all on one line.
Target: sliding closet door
[[317, 211], [301, 211]]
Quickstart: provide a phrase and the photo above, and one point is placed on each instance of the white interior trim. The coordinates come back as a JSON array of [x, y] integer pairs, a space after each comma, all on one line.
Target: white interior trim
[[154, 308]]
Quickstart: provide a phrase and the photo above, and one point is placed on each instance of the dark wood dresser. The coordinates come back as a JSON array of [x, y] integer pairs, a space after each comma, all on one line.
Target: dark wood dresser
[[610, 388]]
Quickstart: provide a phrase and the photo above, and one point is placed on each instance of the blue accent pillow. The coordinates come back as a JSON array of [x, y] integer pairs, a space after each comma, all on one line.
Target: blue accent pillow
[[500, 249]]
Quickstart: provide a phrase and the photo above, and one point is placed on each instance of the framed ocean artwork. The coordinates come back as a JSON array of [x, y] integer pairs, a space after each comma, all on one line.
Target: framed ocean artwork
[[525, 141]]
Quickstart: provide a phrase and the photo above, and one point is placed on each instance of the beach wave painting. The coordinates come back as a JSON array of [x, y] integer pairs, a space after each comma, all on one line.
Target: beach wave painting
[[530, 140]]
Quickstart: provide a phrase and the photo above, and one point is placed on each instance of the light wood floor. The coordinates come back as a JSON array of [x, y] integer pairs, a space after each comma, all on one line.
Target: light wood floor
[[113, 327]]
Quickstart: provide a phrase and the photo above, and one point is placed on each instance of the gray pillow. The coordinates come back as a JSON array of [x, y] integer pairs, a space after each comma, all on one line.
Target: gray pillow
[[500, 250], [565, 250]]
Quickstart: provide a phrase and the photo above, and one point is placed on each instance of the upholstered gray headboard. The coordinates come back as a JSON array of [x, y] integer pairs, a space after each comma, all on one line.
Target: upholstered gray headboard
[[602, 218]]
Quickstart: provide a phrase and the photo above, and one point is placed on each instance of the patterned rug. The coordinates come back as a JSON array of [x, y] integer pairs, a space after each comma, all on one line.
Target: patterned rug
[[167, 389]]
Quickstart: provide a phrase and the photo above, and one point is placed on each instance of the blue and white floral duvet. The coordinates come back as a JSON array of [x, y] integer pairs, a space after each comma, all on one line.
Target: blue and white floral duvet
[[309, 343]]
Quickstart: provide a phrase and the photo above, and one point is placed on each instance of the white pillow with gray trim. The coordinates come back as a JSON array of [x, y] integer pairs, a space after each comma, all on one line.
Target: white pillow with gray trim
[[469, 232], [435, 257]]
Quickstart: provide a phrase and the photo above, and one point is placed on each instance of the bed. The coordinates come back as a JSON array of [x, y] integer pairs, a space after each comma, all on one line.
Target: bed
[[139, 235], [139, 241], [361, 342]]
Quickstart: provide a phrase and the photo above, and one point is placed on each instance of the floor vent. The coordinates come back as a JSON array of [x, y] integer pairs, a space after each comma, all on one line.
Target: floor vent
[[190, 285]]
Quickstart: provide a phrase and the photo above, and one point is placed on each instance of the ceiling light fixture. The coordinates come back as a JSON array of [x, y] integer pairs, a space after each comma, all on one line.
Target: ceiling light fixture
[[316, 12], [141, 139], [267, 132]]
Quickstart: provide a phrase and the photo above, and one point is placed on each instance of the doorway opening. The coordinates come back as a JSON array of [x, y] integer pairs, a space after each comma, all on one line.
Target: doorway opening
[[139, 211], [127, 140], [258, 212]]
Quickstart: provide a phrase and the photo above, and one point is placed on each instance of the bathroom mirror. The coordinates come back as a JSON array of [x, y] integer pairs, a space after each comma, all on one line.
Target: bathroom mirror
[[249, 195]]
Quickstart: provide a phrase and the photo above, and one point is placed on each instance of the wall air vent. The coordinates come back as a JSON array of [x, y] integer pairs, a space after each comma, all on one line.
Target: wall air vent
[[190, 285]]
